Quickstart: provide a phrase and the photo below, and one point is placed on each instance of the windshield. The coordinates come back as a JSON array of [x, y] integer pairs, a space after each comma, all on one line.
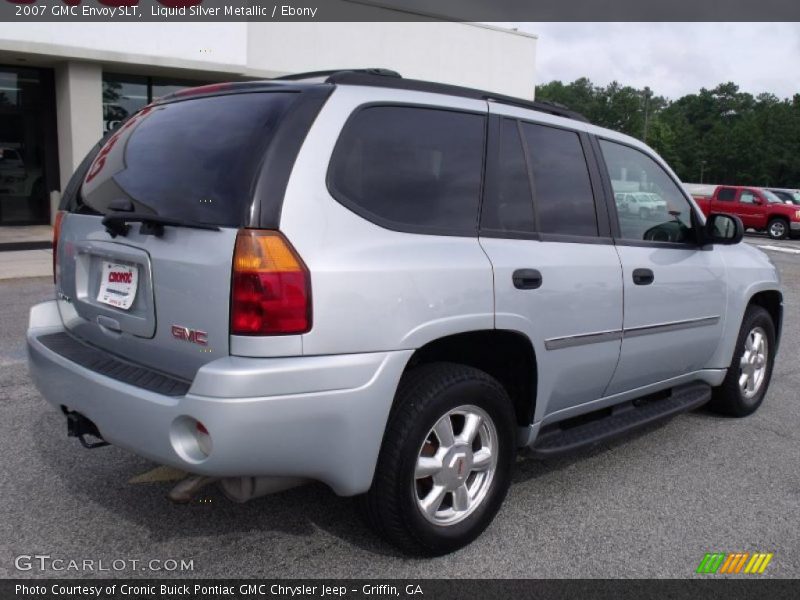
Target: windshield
[[193, 160], [771, 197]]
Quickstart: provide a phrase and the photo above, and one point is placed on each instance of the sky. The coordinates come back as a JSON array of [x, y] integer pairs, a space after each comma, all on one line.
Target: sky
[[672, 58]]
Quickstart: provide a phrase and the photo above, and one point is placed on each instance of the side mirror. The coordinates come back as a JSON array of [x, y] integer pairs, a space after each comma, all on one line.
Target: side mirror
[[758, 200], [724, 229]]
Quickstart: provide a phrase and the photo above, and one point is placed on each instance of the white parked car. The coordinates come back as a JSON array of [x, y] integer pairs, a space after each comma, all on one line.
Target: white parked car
[[642, 204]]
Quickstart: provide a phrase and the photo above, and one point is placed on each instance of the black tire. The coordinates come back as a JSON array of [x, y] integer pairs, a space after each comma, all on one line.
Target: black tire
[[425, 395], [729, 398], [778, 228]]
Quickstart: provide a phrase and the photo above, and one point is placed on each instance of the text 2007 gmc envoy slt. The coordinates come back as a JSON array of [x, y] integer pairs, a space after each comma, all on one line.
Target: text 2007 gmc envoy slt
[[387, 286]]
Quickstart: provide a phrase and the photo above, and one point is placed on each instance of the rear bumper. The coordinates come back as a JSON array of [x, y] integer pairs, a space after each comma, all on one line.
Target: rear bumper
[[315, 417]]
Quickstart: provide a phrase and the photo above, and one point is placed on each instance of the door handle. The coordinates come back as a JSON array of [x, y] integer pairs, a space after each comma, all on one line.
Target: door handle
[[527, 279], [643, 276]]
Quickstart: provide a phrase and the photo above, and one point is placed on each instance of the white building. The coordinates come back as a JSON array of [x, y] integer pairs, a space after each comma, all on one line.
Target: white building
[[63, 84]]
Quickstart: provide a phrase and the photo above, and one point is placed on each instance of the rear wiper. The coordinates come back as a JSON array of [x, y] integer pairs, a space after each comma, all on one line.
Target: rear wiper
[[117, 224]]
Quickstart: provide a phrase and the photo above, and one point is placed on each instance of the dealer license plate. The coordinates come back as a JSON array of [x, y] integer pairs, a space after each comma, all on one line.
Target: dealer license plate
[[118, 285]]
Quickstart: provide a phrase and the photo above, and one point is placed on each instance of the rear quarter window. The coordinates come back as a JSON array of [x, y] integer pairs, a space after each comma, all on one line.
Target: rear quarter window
[[411, 168], [195, 159], [726, 194]]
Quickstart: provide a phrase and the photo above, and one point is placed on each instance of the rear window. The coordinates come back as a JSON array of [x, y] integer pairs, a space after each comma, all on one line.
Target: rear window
[[411, 169], [726, 194], [195, 160], [562, 188]]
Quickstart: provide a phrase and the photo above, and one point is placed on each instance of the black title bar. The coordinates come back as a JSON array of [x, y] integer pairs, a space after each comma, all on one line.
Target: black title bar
[[398, 10], [708, 588]]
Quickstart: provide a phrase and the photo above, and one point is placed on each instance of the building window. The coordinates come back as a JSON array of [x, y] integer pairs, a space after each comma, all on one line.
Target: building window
[[26, 149], [123, 95]]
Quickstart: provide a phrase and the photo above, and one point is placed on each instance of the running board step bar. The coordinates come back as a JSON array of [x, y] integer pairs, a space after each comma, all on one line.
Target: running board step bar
[[594, 428]]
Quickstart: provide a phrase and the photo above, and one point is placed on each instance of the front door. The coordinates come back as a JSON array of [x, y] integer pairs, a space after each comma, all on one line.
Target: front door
[[557, 275], [749, 209], [674, 291]]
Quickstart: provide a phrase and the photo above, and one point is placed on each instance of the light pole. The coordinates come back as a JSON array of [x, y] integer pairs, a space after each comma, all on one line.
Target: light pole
[[702, 169]]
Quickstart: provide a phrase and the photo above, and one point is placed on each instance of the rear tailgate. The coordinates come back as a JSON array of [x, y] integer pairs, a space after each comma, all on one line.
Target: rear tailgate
[[178, 315], [161, 299]]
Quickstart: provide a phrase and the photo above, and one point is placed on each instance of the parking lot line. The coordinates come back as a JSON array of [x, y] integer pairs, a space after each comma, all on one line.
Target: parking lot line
[[778, 248]]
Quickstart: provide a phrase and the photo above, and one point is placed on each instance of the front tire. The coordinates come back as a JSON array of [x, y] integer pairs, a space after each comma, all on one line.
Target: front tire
[[750, 371], [777, 229], [445, 464]]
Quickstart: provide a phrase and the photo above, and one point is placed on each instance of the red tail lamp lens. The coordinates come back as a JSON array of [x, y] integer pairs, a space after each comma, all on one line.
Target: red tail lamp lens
[[56, 233], [271, 287]]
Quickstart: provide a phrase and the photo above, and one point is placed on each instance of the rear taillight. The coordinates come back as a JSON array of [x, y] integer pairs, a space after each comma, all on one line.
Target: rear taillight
[[270, 286], [56, 233]]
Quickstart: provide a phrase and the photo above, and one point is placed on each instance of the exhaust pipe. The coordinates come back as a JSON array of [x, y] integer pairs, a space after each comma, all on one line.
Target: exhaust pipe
[[242, 489], [185, 489], [237, 489]]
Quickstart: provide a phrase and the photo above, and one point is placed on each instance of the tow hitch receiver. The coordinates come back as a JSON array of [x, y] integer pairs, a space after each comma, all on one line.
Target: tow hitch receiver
[[79, 426]]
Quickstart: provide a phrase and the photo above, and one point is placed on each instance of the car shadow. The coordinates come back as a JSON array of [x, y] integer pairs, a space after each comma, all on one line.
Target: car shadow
[[102, 477]]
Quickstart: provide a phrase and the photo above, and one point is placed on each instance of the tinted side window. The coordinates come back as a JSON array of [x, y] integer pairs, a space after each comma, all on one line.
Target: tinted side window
[[726, 194], [661, 212], [508, 207], [416, 168], [562, 188]]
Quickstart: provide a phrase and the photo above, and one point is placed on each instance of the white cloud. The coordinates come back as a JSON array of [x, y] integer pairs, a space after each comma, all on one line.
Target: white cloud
[[672, 58]]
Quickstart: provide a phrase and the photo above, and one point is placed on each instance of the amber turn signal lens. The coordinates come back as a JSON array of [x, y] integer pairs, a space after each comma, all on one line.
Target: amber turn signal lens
[[270, 288]]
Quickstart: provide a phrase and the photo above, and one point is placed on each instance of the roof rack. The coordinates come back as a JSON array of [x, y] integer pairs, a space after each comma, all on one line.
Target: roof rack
[[328, 74], [391, 79]]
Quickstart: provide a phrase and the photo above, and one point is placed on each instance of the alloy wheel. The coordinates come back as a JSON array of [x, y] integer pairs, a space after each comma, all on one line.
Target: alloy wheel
[[753, 364], [777, 229], [456, 465]]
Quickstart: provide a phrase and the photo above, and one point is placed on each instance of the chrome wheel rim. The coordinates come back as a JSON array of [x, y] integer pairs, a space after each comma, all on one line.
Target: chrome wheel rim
[[753, 364], [455, 465], [777, 229]]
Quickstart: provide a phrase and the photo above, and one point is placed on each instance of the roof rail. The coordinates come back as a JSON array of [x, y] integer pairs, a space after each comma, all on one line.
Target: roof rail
[[391, 79], [378, 72]]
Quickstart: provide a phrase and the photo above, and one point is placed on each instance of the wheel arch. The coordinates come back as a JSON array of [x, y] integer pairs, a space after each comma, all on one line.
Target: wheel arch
[[772, 302], [506, 355]]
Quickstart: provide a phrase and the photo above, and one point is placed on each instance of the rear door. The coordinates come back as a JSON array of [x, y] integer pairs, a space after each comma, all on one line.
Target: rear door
[[557, 275], [161, 298], [675, 290]]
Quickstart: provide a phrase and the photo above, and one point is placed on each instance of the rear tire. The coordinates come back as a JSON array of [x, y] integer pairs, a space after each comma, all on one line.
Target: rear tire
[[778, 228], [750, 371], [432, 495]]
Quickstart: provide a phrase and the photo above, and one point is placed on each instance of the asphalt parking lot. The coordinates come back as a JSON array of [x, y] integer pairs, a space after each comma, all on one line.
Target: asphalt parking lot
[[650, 505]]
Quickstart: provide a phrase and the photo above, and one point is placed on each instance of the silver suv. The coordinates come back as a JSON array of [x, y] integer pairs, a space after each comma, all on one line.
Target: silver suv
[[387, 286]]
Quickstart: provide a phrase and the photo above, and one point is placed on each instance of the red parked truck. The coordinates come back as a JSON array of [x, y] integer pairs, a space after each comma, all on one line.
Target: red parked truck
[[758, 209]]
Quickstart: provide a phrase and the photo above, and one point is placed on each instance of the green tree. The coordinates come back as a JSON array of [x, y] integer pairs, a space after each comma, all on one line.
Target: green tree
[[722, 135]]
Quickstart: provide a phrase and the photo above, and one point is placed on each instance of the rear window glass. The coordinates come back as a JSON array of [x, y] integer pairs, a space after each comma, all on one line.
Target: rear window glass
[[509, 206], [726, 194], [411, 168], [194, 160], [562, 189]]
